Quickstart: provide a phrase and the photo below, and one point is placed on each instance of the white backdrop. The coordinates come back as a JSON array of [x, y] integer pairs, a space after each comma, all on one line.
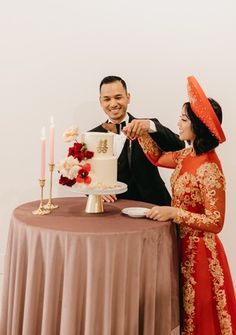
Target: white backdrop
[[54, 54]]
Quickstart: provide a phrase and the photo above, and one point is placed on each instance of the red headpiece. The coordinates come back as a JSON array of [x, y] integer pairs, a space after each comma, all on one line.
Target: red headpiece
[[203, 110]]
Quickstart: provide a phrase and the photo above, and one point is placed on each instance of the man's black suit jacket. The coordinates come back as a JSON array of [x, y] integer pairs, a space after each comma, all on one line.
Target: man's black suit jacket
[[142, 177]]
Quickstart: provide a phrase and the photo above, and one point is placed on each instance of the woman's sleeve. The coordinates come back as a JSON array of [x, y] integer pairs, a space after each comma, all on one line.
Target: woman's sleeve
[[212, 186], [155, 155]]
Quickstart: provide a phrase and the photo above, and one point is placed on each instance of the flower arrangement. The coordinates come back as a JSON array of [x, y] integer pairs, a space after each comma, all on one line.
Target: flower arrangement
[[75, 168]]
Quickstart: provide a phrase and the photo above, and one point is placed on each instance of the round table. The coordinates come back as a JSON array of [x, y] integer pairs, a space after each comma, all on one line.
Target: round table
[[75, 273]]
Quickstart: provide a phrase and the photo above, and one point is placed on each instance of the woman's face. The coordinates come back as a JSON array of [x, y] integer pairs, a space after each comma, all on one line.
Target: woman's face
[[185, 127]]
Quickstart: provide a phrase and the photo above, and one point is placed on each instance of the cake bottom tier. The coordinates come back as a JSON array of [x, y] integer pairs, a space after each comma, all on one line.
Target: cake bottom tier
[[105, 170]]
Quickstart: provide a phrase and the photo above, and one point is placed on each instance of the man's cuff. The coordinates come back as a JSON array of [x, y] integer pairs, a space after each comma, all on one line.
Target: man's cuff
[[152, 127]]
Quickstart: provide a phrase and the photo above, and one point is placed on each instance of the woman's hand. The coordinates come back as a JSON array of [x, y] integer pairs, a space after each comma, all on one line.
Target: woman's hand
[[162, 213], [136, 128]]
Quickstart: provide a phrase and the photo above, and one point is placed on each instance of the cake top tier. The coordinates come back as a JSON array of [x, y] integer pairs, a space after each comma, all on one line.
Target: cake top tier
[[100, 143]]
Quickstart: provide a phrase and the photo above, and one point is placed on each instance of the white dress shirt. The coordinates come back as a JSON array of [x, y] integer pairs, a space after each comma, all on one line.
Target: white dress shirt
[[119, 139]]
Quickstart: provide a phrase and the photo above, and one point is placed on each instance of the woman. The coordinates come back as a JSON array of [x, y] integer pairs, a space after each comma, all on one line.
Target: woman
[[198, 207]]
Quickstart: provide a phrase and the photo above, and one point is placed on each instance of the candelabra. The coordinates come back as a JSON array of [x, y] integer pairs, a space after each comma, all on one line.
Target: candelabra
[[50, 206], [41, 210]]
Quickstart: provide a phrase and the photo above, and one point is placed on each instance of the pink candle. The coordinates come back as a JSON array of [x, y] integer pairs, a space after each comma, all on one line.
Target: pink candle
[[52, 134], [43, 153]]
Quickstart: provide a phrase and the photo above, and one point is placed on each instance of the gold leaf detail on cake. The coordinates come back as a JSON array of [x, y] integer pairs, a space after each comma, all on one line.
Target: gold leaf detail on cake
[[102, 147]]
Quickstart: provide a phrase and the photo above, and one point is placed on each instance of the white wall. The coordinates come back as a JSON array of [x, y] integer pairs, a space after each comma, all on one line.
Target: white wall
[[54, 54]]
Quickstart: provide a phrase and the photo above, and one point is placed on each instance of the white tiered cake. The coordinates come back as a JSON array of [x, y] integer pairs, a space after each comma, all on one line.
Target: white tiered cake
[[103, 163], [91, 167]]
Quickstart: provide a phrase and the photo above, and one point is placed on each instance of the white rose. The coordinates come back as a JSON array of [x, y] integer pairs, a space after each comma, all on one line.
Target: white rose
[[69, 167], [70, 134]]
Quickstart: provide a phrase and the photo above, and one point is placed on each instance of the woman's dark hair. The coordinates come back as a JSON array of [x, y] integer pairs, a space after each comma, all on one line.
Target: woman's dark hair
[[204, 140]]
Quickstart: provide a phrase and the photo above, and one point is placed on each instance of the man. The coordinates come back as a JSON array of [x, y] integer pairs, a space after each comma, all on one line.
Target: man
[[134, 169]]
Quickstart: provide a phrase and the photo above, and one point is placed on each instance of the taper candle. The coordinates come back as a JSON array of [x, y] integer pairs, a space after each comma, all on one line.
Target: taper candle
[[52, 134], [43, 152]]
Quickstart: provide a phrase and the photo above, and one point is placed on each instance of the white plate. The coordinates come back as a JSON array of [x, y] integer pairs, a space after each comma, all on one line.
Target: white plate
[[135, 212]]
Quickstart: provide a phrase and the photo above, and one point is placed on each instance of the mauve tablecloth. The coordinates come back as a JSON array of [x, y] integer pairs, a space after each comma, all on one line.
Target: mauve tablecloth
[[73, 273]]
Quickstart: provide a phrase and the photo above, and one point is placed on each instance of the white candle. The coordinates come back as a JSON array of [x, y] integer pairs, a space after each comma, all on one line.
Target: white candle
[[43, 152], [52, 134]]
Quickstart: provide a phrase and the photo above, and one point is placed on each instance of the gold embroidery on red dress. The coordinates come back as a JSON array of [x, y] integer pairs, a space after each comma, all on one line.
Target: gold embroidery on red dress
[[218, 280], [187, 270], [198, 191]]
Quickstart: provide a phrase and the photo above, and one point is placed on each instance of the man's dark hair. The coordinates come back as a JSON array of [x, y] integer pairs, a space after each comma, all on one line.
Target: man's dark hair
[[112, 79], [204, 140]]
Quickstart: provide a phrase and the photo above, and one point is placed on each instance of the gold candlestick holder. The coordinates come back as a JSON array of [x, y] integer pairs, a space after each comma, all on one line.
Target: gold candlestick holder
[[50, 204], [41, 210]]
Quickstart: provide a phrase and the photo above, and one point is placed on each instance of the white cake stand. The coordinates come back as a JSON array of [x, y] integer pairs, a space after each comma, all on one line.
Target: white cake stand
[[95, 203]]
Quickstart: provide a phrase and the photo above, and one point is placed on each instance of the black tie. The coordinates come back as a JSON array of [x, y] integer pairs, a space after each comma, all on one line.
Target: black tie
[[120, 126]]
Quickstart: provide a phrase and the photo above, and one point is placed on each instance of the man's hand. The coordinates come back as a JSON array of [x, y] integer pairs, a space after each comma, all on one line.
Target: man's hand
[[136, 128], [109, 198]]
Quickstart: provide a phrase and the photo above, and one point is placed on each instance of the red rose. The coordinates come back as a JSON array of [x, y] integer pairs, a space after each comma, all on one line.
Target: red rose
[[78, 146], [66, 181], [88, 154], [79, 156], [71, 152]]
